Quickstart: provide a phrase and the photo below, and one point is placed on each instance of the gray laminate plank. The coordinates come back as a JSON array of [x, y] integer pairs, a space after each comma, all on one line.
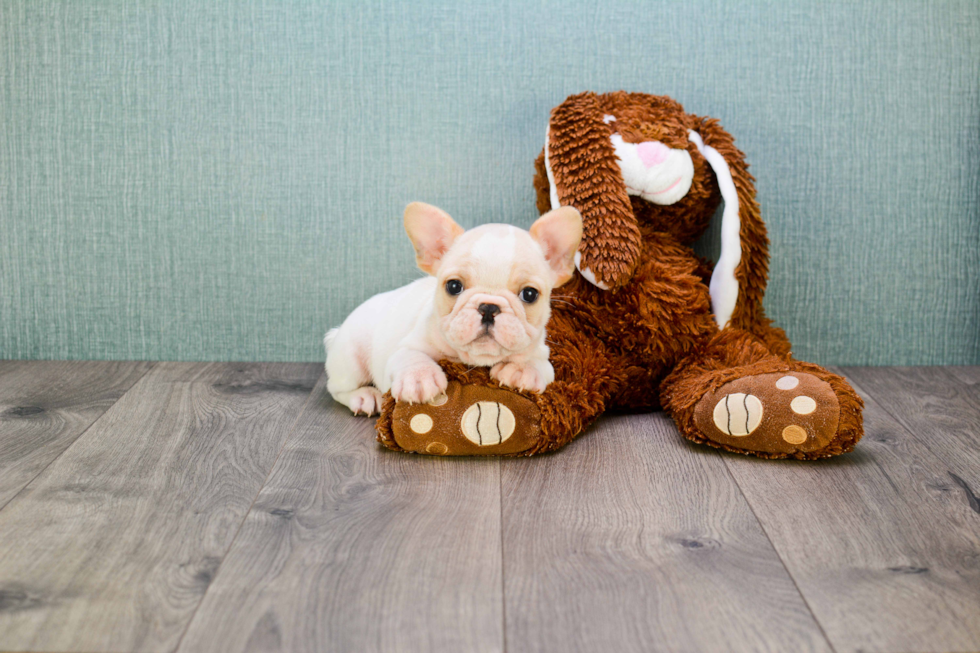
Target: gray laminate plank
[[968, 374], [939, 409], [351, 547], [113, 546], [631, 539], [45, 405], [879, 541]]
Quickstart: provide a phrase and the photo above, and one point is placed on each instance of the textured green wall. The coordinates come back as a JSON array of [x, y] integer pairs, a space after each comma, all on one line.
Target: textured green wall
[[224, 179]]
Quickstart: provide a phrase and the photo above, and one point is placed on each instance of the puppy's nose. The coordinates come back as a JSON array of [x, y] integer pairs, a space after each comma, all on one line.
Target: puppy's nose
[[488, 311]]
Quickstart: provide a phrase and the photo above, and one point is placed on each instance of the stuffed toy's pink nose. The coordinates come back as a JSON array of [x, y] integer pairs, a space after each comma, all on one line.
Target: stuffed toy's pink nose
[[652, 153]]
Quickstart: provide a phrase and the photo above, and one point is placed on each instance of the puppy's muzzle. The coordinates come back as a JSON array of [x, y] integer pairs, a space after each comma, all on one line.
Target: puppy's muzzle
[[487, 313]]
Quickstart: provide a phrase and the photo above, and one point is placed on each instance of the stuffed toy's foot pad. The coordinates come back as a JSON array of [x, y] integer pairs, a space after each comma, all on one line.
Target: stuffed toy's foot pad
[[468, 420], [783, 412]]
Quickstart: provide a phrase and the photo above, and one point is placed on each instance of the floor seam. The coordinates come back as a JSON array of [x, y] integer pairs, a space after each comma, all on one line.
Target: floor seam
[[241, 524], [503, 575], [779, 556], [78, 437]]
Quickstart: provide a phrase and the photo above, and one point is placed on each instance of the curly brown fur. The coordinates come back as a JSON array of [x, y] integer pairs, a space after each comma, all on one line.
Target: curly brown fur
[[583, 159], [383, 425]]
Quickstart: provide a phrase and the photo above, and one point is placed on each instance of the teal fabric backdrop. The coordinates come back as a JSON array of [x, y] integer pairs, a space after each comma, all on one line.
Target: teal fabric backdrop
[[218, 179]]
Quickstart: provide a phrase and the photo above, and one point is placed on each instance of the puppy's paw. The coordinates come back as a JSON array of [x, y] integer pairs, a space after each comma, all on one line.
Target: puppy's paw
[[419, 383], [533, 376], [366, 400]]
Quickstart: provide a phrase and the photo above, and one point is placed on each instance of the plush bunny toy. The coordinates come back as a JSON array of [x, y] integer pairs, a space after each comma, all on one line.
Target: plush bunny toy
[[646, 323]]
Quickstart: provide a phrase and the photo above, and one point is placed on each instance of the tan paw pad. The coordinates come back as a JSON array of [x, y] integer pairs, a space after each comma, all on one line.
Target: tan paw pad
[[794, 434], [738, 414], [421, 423], [487, 422], [787, 382], [803, 405], [436, 448]]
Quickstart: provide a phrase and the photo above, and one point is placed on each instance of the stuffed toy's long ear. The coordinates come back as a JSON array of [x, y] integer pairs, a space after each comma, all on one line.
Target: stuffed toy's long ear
[[432, 232], [583, 172], [739, 278]]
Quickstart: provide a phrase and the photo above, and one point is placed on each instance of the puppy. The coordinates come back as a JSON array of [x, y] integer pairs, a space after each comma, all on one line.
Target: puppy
[[486, 303]]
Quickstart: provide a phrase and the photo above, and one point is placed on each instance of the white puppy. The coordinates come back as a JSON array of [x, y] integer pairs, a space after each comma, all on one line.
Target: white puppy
[[486, 303]]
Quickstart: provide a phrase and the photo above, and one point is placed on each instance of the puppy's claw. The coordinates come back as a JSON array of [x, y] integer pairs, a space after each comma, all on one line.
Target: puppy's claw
[[531, 376], [365, 400], [419, 384]]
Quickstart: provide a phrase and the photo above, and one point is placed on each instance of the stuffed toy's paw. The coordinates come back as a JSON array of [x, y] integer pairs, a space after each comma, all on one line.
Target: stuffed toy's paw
[[781, 413], [466, 420], [799, 410]]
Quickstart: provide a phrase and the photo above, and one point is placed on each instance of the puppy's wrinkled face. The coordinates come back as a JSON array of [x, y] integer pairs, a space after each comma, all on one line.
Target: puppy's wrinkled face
[[493, 292], [494, 282]]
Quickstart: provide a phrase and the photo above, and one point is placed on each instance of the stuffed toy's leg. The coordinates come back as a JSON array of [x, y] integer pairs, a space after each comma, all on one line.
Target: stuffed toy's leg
[[736, 394], [478, 417]]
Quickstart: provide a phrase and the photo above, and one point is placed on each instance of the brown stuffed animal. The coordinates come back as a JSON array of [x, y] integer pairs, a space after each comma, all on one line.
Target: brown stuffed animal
[[646, 323]]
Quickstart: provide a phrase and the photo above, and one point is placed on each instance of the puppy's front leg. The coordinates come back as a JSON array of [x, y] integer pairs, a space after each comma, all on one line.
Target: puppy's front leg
[[532, 373], [415, 377]]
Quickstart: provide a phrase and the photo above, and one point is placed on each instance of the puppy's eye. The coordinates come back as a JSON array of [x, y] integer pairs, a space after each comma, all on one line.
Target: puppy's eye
[[528, 295], [454, 286]]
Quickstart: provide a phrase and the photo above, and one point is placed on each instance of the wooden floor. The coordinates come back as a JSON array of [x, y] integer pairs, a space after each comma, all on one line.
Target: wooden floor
[[234, 507]]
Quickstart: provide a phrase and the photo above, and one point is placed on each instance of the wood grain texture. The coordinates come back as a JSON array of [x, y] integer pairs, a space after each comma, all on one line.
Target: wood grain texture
[[631, 539], [46, 405], [940, 409], [880, 542], [113, 546], [149, 531], [968, 374], [351, 547]]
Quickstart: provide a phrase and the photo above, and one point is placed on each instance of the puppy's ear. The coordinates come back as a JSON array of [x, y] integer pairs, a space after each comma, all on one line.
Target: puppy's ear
[[583, 172], [558, 233], [432, 232]]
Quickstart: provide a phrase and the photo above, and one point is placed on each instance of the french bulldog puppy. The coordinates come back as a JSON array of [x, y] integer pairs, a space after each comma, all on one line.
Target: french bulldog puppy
[[485, 303]]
